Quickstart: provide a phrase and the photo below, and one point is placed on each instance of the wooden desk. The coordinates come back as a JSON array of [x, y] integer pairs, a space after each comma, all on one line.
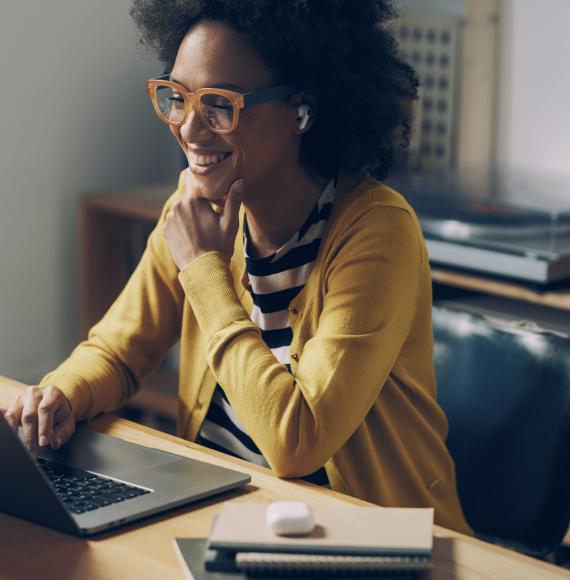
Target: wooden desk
[[145, 550]]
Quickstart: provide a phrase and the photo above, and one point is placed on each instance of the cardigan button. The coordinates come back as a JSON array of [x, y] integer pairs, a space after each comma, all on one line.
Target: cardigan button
[[293, 310], [295, 357], [198, 405]]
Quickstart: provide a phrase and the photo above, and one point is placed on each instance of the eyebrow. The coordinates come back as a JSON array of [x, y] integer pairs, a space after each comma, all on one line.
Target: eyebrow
[[228, 86]]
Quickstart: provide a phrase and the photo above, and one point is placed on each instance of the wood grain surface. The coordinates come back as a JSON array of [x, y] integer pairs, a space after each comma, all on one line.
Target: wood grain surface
[[144, 550]]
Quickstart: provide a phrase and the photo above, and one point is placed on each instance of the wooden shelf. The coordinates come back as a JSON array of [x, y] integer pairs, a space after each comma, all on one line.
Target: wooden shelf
[[107, 223], [109, 220], [559, 298], [139, 203], [108, 216]]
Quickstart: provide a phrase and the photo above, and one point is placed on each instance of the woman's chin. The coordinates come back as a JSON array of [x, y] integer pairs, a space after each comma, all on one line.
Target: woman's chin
[[214, 182], [210, 187]]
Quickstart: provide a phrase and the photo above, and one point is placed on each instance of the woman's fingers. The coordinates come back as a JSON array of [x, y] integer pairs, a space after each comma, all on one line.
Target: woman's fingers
[[229, 217], [63, 431], [192, 227], [32, 398], [45, 415], [49, 405], [13, 413]]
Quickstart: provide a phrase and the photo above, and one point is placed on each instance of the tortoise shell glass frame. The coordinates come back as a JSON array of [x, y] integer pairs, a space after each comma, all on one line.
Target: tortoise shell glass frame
[[196, 100]]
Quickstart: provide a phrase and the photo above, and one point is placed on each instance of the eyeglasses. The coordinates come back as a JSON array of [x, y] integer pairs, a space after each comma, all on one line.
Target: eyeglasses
[[217, 108]]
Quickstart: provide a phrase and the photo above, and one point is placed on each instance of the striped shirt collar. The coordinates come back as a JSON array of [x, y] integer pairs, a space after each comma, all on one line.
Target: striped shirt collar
[[326, 197]]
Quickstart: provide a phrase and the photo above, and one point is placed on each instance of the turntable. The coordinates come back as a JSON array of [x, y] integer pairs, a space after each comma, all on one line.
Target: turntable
[[502, 221]]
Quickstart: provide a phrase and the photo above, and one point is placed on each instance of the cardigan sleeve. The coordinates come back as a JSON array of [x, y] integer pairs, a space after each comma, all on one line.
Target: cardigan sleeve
[[300, 420], [132, 337]]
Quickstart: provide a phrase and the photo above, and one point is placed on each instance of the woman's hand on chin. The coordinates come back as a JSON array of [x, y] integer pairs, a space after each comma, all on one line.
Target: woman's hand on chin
[[193, 227]]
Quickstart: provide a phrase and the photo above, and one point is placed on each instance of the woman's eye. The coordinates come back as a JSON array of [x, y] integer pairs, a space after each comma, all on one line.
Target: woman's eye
[[220, 103], [176, 97]]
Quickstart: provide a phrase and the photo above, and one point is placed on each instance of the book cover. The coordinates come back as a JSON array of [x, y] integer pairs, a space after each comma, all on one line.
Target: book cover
[[345, 530]]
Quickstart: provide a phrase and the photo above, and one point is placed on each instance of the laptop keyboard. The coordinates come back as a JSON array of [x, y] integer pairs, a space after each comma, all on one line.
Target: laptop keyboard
[[83, 491]]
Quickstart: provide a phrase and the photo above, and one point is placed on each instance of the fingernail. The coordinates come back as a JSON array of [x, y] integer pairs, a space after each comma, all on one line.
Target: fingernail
[[43, 440]]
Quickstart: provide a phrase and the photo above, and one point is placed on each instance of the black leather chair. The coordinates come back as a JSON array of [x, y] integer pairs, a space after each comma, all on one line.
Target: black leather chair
[[506, 393]]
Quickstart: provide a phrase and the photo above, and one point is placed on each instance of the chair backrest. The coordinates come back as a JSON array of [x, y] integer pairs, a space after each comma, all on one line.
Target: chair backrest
[[506, 393]]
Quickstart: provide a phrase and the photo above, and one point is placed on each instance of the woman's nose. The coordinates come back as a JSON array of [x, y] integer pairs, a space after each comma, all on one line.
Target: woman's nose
[[193, 127]]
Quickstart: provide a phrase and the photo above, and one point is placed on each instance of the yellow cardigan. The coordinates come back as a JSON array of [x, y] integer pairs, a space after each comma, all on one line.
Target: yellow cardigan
[[360, 397]]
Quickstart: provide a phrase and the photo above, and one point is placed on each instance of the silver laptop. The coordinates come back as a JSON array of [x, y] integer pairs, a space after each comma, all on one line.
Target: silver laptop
[[96, 482]]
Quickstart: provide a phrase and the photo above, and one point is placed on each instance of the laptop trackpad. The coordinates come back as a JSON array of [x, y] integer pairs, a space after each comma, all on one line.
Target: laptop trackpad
[[106, 455]]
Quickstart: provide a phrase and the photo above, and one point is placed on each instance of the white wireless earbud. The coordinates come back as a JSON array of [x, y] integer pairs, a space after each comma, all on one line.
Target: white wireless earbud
[[304, 112]]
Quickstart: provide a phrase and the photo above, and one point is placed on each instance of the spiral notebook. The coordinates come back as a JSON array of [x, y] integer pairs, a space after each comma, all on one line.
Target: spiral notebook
[[200, 563], [348, 541]]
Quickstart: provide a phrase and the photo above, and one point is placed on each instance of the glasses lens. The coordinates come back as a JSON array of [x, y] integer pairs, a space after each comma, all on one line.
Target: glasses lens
[[170, 103], [217, 110]]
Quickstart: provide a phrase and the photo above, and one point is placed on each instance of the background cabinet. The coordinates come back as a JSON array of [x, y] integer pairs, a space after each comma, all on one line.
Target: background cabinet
[[115, 225]]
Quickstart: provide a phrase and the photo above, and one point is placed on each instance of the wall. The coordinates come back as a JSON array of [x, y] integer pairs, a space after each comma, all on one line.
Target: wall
[[74, 117], [534, 113], [533, 120]]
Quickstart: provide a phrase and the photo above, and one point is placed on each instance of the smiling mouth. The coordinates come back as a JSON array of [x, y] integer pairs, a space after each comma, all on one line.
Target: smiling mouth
[[205, 163]]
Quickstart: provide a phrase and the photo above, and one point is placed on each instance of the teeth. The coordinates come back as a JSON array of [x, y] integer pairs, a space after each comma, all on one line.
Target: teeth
[[208, 159]]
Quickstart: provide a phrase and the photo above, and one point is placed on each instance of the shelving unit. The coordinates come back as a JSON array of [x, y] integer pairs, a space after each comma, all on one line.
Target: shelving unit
[[114, 225], [112, 220], [109, 221]]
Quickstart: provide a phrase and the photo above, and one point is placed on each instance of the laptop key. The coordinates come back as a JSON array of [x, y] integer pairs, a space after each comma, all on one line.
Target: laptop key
[[100, 501]]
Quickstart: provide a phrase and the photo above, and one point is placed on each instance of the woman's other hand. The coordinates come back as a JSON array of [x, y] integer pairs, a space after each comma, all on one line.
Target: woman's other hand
[[192, 227], [45, 415]]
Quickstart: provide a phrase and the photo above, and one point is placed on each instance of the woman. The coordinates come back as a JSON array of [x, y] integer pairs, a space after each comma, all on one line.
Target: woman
[[298, 285]]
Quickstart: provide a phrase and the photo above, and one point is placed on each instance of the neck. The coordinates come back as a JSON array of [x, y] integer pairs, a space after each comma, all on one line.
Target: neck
[[277, 208]]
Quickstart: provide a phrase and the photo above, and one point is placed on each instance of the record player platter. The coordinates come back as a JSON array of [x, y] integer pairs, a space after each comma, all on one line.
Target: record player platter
[[502, 221], [482, 219]]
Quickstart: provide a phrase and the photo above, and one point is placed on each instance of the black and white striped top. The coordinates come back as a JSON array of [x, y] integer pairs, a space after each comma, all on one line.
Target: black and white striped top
[[275, 280]]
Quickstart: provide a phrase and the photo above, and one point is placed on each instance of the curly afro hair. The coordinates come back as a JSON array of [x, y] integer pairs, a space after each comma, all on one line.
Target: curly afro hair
[[340, 50]]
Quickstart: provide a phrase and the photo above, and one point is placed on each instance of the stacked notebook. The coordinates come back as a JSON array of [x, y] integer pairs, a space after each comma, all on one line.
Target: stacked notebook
[[348, 541]]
